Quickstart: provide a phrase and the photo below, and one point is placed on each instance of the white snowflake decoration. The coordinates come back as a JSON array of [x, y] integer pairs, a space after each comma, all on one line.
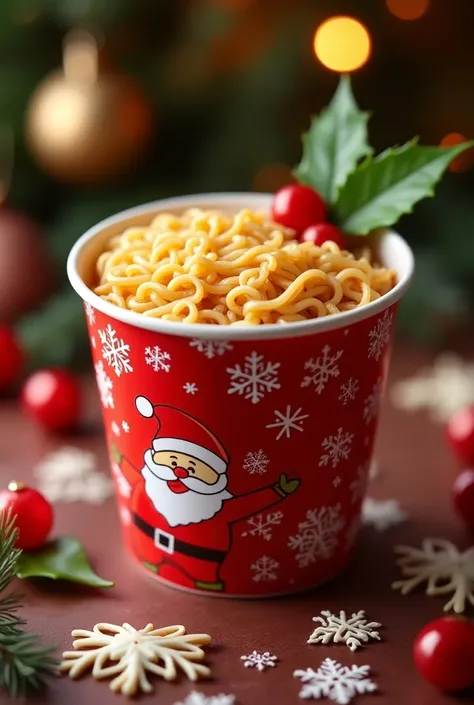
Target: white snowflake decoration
[[287, 422], [317, 536], [90, 313], [335, 682], [125, 427], [352, 631], [105, 385], [115, 351], [211, 348], [158, 359], [115, 428], [264, 569], [337, 481], [123, 485], [358, 486], [254, 379], [71, 475], [372, 403], [379, 336], [348, 390], [321, 368], [190, 388], [382, 514], [196, 698], [256, 462], [262, 525], [260, 661], [338, 447]]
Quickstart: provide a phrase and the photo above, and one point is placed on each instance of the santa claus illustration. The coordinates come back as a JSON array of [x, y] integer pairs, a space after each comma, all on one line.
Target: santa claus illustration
[[181, 510]]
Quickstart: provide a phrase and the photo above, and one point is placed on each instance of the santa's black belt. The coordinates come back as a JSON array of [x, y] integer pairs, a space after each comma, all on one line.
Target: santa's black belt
[[177, 546]]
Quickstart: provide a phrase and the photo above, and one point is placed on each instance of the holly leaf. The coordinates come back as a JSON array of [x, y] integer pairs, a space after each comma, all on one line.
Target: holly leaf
[[62, 559], [383, 189], [336, 141]]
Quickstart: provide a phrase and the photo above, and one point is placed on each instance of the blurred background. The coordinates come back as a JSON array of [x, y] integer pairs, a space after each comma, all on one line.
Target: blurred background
[[183, 96]]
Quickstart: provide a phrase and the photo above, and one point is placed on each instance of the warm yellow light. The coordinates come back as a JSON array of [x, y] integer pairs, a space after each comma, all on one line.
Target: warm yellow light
[[408, 9], [466, 159], [342, 44]]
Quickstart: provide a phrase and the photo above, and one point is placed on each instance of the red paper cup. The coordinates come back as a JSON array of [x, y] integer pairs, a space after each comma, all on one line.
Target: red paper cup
[[277, 423]]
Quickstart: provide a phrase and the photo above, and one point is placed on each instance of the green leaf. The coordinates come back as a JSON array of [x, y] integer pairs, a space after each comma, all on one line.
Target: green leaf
[[63, 559], [334, 144], [381, 190]]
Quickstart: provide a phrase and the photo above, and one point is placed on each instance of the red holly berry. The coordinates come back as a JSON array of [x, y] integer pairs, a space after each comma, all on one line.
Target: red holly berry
[[322, 232], [11, 357], [34, 514], [463, 496], [296, 206], [460, 434], [443, 653], [52, 397]]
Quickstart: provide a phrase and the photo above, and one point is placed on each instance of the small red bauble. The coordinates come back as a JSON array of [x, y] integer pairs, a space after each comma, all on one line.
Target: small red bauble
[[11, 357], [463, 496], [460, 434], [296, 206], [321, 233], [52, 397], [33, 514], [443, 653]]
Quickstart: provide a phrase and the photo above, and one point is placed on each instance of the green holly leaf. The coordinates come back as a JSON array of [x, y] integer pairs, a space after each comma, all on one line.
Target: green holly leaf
[[62, 559], [334, 144], [383, 189]]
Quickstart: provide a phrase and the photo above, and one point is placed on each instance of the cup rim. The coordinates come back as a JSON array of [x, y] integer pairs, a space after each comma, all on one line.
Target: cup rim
[[390, 240]]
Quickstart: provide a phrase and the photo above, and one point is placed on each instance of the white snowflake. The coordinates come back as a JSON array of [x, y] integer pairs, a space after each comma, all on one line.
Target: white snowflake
[[196, 698], [288, 421], [382, 514], [336, 682], [338, 447], [256, 463], [348, 390], [115, 351], [211, 348], [358, 486], [115, 428], [264, 569], [379, 336], [337, 481], [322, 368], [372, 403], [262, 525], [353, 631], [105, 385], [90, 313], [260, 661], [190, 388], [125, 427], [317, 536], [71, 475], [158, 359], [123, 485], [255, 378]]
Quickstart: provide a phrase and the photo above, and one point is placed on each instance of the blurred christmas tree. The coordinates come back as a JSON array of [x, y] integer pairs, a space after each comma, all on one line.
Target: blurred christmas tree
[[198, 95]]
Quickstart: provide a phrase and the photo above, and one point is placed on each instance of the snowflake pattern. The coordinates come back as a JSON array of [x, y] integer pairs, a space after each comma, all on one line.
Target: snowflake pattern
[[196, 698], [115, 428], [256, 463], [70, 475], [348, 390], [90, 313], [105, 385], [260, 661], [158, 359], [264, 569], [337, 481], [379, 336], [123, 485], [211, 348], [338, 447], [254, 379], [335, 682], [317, 536], [288, 421], [125, 427], [359, 485], [352, 631], [322, 368], [190, 388], [115, 351], [372, 403], [262, 525], [382, 514]]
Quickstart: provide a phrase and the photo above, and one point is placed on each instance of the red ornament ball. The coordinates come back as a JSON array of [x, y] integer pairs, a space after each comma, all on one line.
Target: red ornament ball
[[322, 232], [463, 496], [34, 514], [460, 434], [443, 653], [11, 357], [296, 206], [52, 398]]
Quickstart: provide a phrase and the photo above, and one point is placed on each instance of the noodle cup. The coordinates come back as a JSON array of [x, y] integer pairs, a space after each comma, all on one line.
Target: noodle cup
[[240, 454]]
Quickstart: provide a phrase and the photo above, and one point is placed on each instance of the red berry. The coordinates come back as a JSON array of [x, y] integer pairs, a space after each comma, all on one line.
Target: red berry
[[321, 233], [34, 514], [11, 357], [460, 434], [52, 397], [296, 206], [443, 653], [463, 496]]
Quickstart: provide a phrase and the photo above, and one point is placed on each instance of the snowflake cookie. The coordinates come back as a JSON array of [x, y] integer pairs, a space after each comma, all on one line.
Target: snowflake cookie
[[196, 698], [382, 514], [443, 567], [352, 631], [128, 653], [260, 661], [335, 682]]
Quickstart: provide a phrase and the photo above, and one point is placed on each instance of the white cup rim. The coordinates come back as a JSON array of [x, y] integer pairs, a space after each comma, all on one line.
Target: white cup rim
[[395, 253]]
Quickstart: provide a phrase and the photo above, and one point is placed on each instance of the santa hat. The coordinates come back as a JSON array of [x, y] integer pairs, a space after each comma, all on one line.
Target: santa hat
[[178, 431]]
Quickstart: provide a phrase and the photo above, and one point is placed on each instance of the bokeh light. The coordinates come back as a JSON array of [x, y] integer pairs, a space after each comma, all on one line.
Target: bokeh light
[[408, 9], [466, 159], [342, 44], [271, 177]]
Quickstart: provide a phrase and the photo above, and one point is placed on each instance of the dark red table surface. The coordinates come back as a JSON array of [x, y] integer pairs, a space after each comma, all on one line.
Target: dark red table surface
[[416, 468]]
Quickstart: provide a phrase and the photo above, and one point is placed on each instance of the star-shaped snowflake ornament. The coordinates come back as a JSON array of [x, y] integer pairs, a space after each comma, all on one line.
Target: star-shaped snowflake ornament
[[353, 631], [335, 682], [260, 661], [196, 698]]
